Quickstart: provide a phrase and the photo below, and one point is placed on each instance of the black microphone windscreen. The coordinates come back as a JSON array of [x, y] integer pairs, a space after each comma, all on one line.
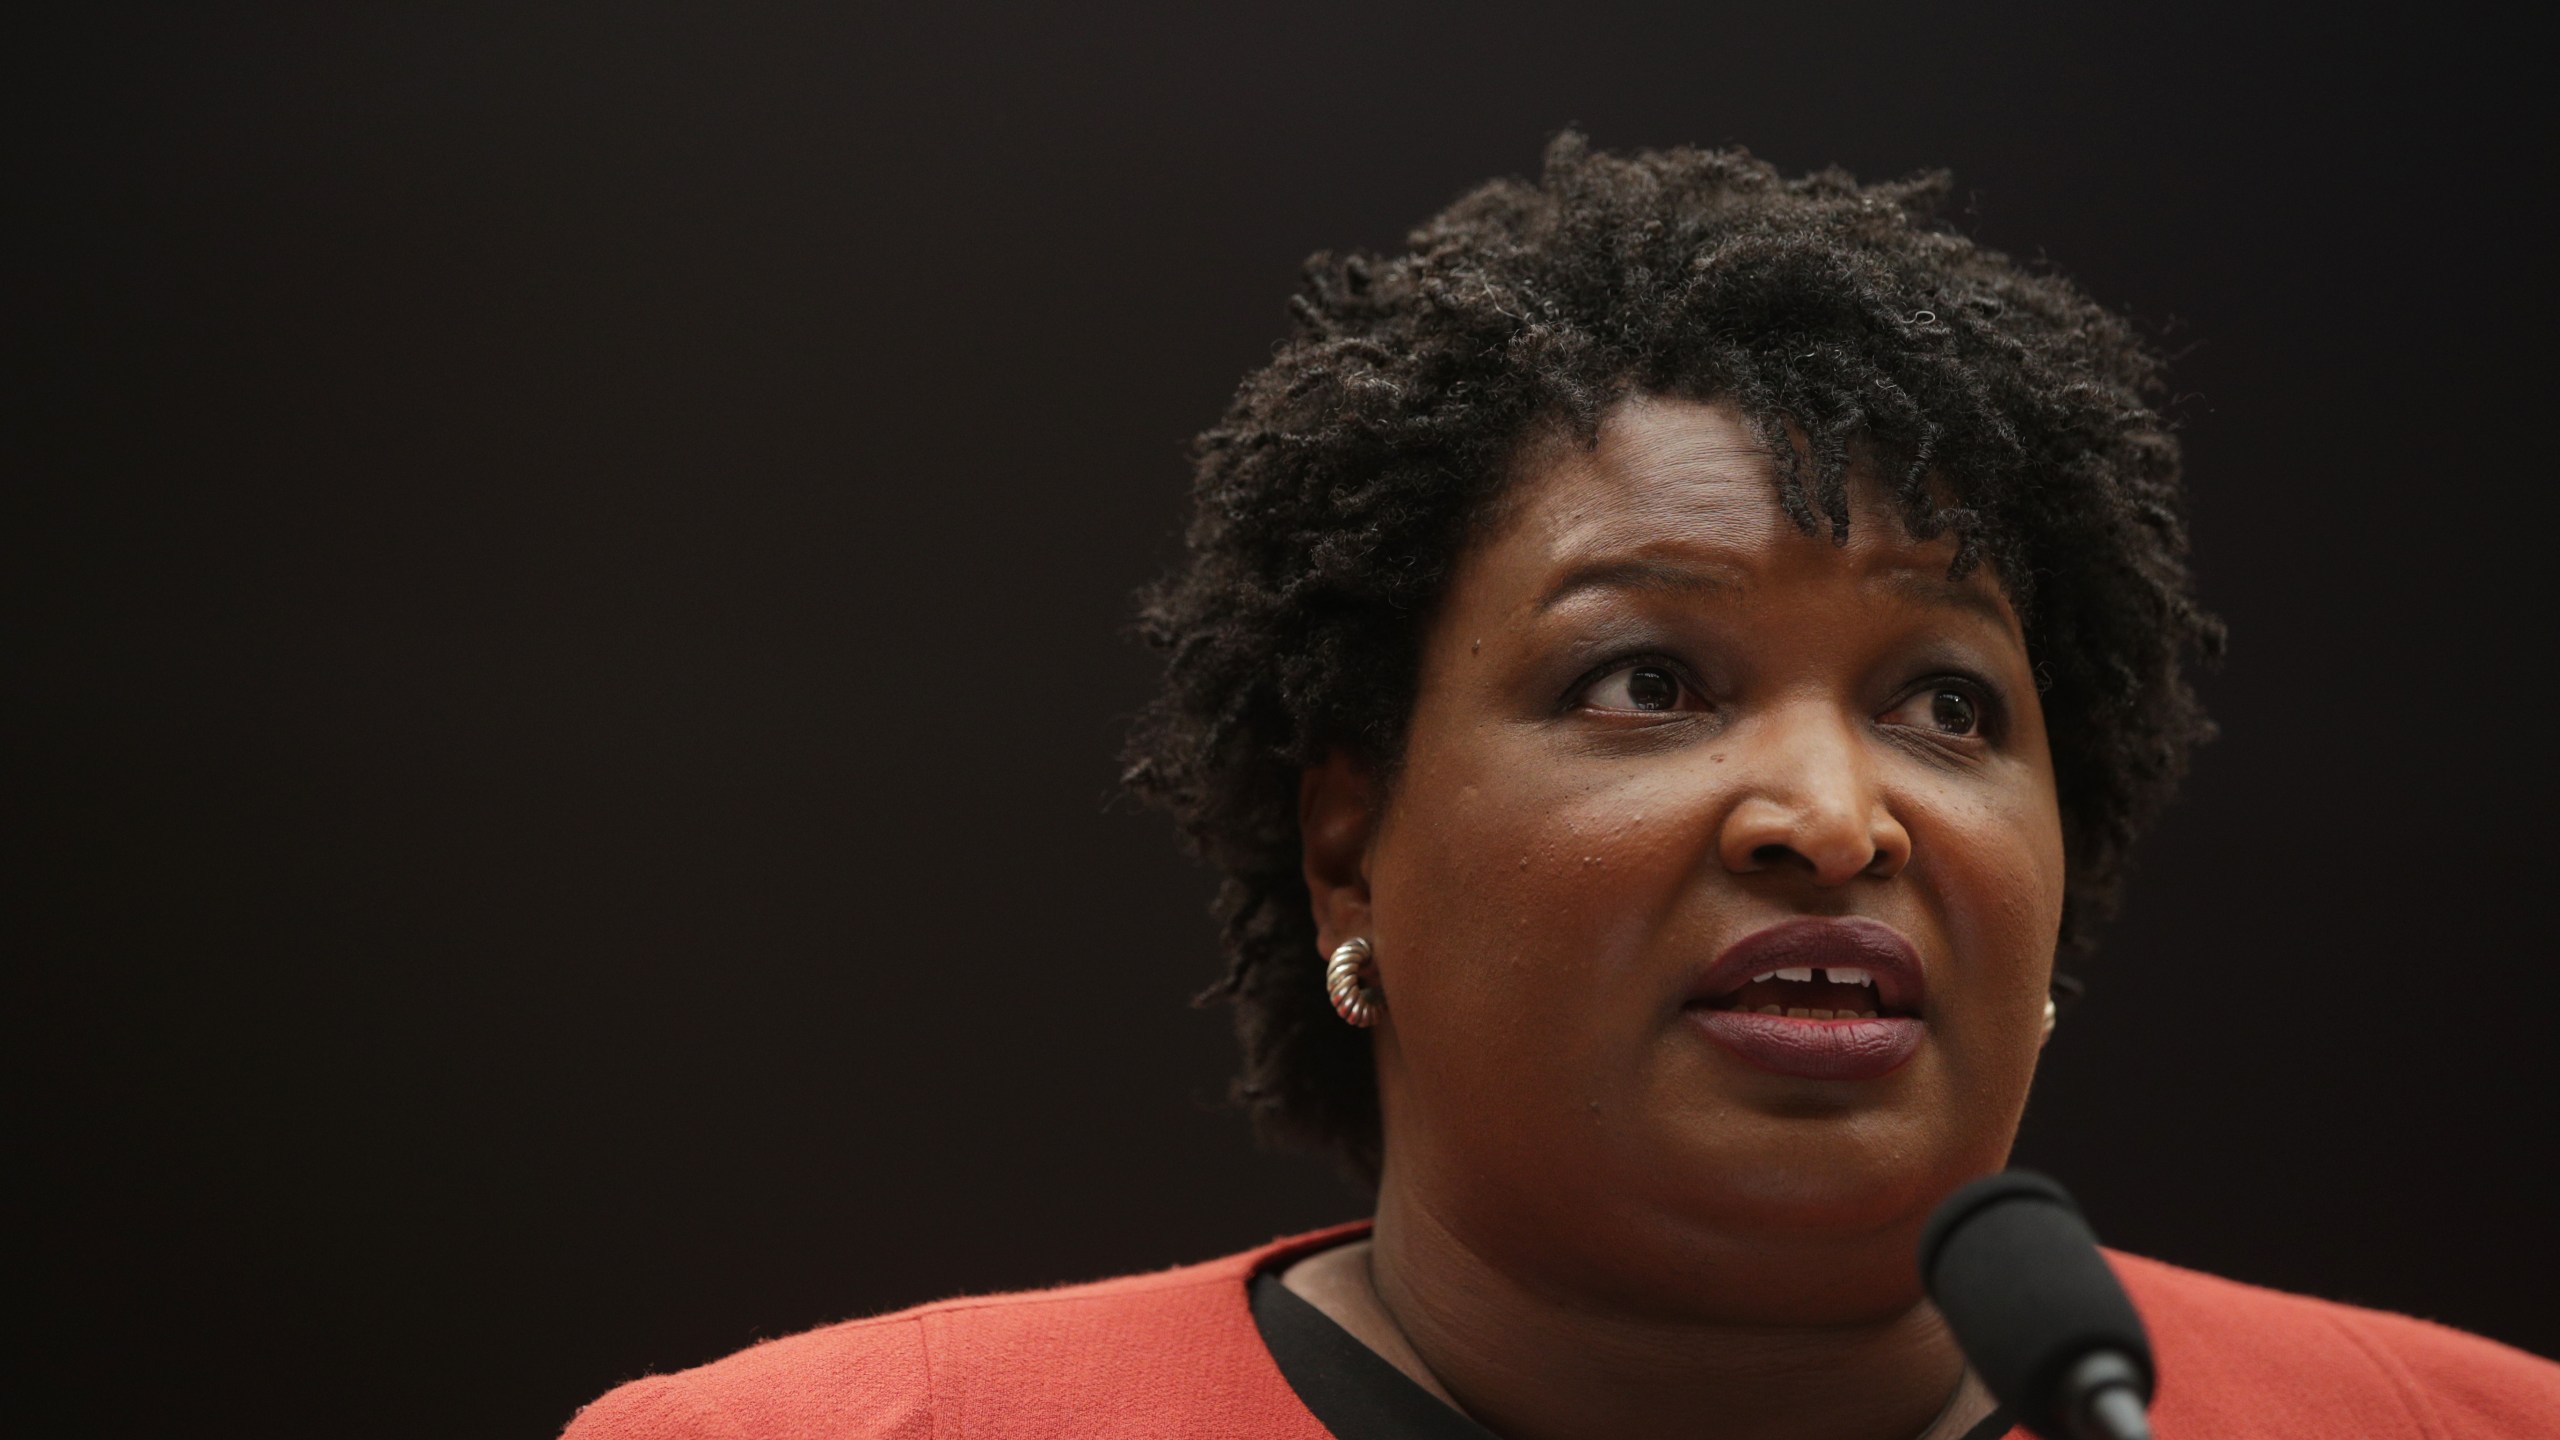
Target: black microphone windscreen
[[2017, 1273]]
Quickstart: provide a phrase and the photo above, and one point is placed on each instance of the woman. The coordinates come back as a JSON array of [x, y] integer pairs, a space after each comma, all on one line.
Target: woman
[[1664, 666]]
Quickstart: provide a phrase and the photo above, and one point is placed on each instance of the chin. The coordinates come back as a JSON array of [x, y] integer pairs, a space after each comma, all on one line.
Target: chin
[[1777, 1248], [1841, 1177], [1761, 1155]]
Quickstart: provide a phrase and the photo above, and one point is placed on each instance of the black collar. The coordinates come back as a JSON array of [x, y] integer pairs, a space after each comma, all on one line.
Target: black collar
[[1357, 1395]]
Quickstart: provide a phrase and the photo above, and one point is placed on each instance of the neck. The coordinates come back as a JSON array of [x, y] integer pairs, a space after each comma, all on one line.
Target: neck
[[1533, 1364]]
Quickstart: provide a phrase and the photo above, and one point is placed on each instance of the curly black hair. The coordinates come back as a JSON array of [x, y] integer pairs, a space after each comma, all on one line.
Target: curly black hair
[[1852, 326]]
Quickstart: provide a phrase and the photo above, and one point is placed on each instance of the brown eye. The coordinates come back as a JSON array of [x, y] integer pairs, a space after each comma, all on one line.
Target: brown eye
[[1954, 712], [1637, 687], [1957, 711]]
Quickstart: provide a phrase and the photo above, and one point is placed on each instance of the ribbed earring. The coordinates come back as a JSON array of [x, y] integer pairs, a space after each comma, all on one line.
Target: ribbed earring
[[1345, 977]]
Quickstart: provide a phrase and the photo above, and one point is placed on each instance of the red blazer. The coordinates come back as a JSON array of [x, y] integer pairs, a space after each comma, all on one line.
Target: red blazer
[[1176, 1354]]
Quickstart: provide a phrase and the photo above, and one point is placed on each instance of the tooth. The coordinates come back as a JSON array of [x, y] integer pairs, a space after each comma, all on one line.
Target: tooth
[[1866, 1014], [1764, 975], [1799, 1013], [1822, 1014], [1771, 1010], [1796, 972], [1845, 976]]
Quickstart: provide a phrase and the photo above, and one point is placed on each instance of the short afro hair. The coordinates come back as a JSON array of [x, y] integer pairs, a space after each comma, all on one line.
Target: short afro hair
[[1852, 326]]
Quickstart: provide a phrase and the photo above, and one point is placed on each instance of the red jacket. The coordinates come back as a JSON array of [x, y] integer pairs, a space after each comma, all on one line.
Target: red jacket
[[1176, 1354]]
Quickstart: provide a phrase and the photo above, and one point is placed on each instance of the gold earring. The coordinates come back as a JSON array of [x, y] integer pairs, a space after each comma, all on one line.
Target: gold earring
[[1358, 1004], [2051, 1017]]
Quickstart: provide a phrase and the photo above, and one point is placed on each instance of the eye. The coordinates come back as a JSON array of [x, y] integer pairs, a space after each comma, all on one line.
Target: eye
[[1644, 687], [1953, 713], [1944, 707]]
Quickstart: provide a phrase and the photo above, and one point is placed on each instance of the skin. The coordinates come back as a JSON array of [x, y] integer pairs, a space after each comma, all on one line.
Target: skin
[[1653, 717]]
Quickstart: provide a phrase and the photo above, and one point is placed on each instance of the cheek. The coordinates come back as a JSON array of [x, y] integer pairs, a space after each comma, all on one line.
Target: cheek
[[1513, 907], [1996, 869]]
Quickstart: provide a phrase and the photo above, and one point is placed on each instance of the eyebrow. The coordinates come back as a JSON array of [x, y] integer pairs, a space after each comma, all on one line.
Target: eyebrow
[[1630, 574], [1664, 576], [1934, 588]]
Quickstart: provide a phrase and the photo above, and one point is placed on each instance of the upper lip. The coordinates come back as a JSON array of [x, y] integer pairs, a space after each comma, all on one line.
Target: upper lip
[[1848, 941]]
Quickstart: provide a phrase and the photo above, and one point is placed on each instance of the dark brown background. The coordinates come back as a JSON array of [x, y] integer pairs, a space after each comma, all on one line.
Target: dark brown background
[[568, 643]]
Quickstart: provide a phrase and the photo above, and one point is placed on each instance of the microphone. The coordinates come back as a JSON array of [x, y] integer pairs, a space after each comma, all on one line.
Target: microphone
[[2017, 1273]]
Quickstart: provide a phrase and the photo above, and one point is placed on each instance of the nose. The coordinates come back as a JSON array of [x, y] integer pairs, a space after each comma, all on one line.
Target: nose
[[1806, 799]]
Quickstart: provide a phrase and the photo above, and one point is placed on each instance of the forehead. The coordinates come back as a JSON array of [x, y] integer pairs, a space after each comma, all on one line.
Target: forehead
[[1686, 484]]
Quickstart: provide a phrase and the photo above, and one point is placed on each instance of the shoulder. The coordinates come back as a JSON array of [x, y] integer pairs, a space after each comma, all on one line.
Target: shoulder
[[861, 1378], [2240, 1359], [1174, 1351]]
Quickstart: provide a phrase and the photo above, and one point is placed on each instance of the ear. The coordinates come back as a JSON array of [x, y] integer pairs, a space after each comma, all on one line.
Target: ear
[[1337, 819]]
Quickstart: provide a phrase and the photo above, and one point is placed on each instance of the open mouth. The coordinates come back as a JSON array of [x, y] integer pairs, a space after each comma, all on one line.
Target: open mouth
[[1810, 992], [1816, 998]]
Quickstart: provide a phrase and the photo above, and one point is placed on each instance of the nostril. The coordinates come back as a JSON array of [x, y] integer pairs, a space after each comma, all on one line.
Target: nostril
[[1778, 855], [1771, 855]]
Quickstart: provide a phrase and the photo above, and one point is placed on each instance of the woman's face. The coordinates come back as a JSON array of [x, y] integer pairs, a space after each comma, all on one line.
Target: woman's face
[[1655, 720]]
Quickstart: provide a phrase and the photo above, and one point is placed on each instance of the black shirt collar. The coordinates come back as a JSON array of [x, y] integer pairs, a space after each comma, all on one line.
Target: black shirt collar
[[1356, 1394]]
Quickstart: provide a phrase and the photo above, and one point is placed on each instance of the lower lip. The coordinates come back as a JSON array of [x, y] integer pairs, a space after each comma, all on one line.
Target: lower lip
[[1813, 1049]]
